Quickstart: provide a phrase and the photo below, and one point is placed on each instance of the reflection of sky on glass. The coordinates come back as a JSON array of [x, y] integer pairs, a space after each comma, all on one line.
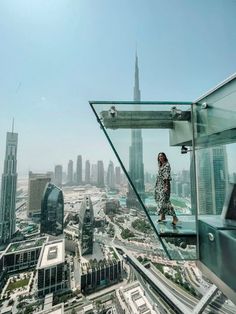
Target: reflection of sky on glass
[[57, 55]]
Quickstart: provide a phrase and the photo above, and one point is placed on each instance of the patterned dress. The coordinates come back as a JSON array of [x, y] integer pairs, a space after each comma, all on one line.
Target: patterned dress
[[162, 190]]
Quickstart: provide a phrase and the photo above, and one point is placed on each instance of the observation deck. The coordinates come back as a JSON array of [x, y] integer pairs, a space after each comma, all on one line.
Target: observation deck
[[199, 139]]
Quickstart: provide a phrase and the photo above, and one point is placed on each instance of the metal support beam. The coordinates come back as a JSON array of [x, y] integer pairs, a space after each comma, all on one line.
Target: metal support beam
[[205, 300], [115, 119]]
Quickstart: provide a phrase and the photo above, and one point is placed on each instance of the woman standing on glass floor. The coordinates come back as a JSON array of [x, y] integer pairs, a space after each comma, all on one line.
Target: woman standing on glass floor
[[162, 189]]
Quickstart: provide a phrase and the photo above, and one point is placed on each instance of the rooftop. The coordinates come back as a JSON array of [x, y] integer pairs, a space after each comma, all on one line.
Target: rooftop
[[56, 309], [22, 246], [101, 254], [137, 301], [53, 253]]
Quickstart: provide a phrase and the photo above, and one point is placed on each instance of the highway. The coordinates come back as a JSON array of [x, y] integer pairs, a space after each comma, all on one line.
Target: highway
[[187, 299], [176, 292]]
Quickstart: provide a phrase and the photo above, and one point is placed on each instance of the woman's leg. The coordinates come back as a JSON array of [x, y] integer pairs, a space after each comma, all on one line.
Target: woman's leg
[[173, 214], [162, 214], [170, 211]]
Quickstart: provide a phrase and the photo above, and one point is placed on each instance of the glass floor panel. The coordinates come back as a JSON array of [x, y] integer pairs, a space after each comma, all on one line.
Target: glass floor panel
[[186, 226]]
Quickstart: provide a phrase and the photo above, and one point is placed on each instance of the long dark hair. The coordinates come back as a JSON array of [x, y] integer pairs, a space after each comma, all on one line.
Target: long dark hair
[[165, 158]]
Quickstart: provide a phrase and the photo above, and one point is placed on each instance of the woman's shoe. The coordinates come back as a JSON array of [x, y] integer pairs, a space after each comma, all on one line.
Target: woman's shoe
[[175, 220], [162, 218]]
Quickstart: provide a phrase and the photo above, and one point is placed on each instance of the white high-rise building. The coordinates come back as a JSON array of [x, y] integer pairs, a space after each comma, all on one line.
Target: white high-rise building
[[100, 168], [111, 175], [87, 172], [79, 179], [70, 173], [58, 175], [8, 189], [94, 174], [118, 175]]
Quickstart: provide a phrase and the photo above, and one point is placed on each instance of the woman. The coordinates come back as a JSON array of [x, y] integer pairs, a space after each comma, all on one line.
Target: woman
[[162, 189]]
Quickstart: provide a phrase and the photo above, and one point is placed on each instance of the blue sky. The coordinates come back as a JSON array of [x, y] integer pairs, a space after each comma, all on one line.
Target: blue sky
[[57, 55]]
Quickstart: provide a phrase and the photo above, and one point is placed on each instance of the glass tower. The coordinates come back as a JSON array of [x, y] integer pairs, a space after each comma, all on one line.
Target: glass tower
[[118, 175], [212, 177], [70, 173], [111, 176], [79, 170], [87, 172], [100, 174], [52, 210], [86, 226], [58, 175], [8, 189]]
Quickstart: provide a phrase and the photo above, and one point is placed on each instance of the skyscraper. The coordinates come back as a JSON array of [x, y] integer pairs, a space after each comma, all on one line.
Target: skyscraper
[[136, 167], [111, 175], [118, 175], [100, 171], [87, 172], [79, 170], [70, 172], [58, 175], [36, 186], [94, 174], [8, 189], [52, 210], [86, 226], [212, 179]]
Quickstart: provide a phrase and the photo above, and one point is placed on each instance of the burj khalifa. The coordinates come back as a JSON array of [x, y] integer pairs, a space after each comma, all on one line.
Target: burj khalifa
[[136, 167]]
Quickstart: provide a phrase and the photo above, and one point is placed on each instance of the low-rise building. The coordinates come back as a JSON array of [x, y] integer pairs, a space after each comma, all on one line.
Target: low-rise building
[[22, 255], [132, 299], [111, 206], [101, 269]]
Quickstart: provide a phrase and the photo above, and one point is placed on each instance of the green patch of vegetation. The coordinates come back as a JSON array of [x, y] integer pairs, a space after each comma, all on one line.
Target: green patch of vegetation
[[177, 278], [115, 256], [111, 230], [17, 284], [143, 260], [30, 308], [141, 225], [159, 267], [126, 233], [63, 297]]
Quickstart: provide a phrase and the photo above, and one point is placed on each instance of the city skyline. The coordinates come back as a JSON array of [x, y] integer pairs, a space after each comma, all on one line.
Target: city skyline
[[83, 151], [71, 55]]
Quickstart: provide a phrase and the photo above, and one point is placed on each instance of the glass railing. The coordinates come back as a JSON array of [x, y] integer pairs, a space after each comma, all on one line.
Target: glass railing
[[137, 133], [214, 118], [215, 148]]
